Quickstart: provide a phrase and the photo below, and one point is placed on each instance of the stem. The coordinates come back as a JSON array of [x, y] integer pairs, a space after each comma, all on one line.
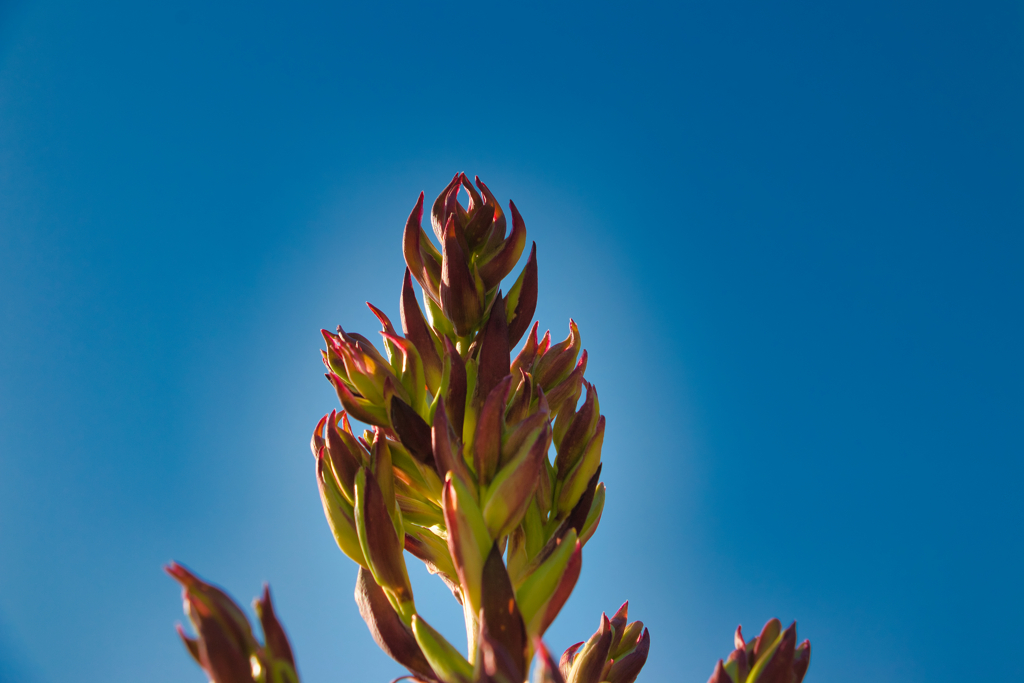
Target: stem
[[472, 628]]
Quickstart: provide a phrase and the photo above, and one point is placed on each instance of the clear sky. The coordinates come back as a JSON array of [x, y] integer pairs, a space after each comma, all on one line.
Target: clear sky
[[792, 235]]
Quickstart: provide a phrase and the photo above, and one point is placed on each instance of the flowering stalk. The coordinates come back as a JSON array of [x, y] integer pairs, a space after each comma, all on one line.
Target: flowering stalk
[[455, 467]]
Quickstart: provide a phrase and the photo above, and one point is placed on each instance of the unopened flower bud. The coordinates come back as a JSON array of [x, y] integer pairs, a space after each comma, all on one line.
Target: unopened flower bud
[[224, 644], [771, 657]]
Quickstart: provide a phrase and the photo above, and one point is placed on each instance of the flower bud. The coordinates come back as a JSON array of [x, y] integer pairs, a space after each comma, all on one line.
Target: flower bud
[[468, 539], [460, 289], [505, 500], [771, 657], [566, 394], [517, 434], [421, 256], [360, 408], [521, 301], [276, 646], [496, 267], [344, 453], [409, 369], [416, 330], [556, 362], [563, 590], [588, 663], [455, 397], [576, 481], [498, 224], [225, 646], [338, 511], [486, 445], [441, 206], [524, 361], [579, 433], [540, 583], [380, 545], [615, 653], [519, 405], [493, 351]]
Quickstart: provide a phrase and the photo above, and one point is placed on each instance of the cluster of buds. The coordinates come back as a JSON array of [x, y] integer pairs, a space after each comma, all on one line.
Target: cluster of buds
[[614, 654], [455, 468], [224, 644], [771, 657]]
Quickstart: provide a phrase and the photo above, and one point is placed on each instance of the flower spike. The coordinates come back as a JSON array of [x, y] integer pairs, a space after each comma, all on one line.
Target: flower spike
[[457, 469]]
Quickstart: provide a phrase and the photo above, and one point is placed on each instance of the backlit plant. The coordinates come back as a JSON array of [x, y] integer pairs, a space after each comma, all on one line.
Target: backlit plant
[[457, 469]]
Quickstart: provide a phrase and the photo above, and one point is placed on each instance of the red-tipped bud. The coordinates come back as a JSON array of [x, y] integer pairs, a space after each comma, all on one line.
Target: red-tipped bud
[[589, 662], [468, 539], [385, 322], [359, 408], [493, 356], [420, 254], [576, 481], [460, 300], [489, 427], [566, 393], [415, 328], [564, 590], [557, 362], [277, 645], [521, 302], [619, 620], [720, 675], [455, 398], [565, 663], [344, 453], [801, 660], [501, 264], [524, 361], [225, 646], [579, 433], [775, 665], [627, 668], [499, 215], [438, 217], [771, 657], [479, 227], [317, 441], [380, 544], [508, 495]]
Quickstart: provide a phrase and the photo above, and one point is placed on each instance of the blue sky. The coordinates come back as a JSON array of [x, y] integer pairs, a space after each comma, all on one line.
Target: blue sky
[[792, 237]]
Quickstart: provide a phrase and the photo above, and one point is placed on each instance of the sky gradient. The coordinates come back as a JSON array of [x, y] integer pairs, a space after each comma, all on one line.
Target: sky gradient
[[792, 237]]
